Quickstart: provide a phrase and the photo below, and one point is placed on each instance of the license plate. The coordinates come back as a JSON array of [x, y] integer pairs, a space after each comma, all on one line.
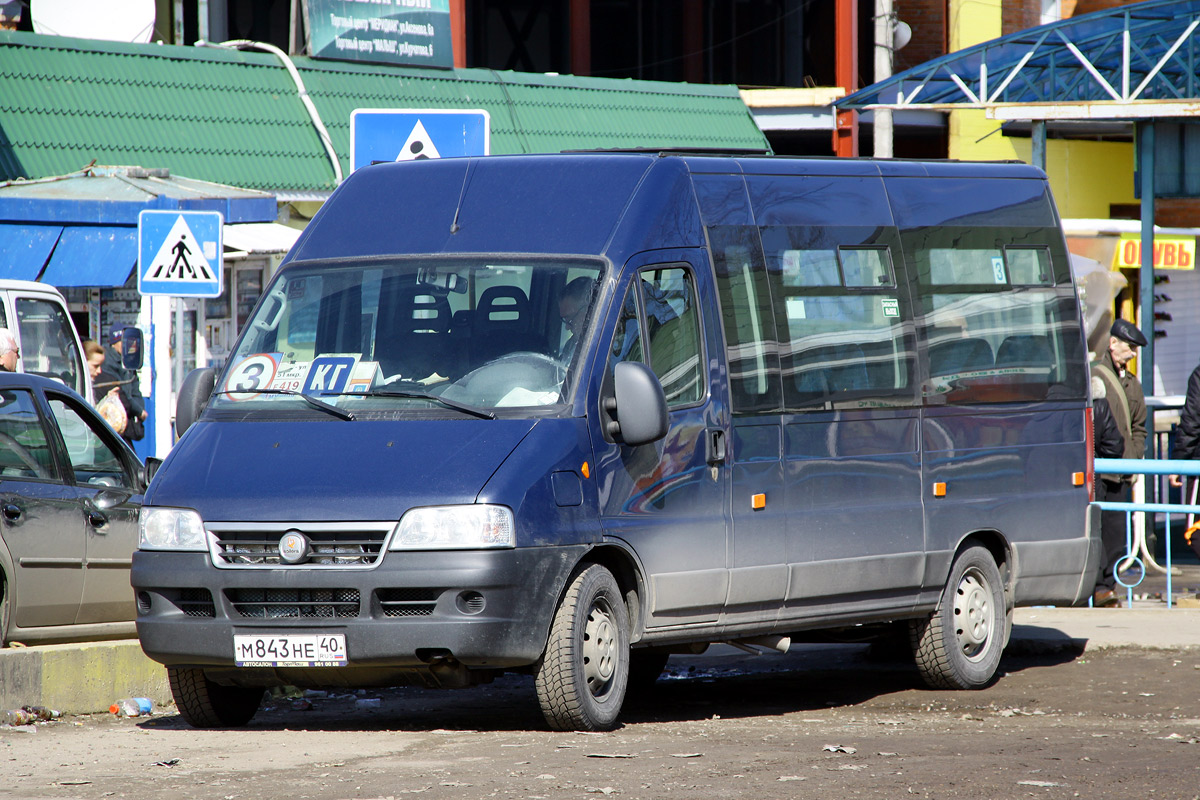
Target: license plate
[[290, 650]]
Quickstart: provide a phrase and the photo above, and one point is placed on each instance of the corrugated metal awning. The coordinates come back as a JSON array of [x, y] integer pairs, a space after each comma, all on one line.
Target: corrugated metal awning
[[25, 248], [93, 256]]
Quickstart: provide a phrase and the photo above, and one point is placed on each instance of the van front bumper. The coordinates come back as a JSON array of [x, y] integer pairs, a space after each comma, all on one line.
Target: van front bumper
[[482, 609]]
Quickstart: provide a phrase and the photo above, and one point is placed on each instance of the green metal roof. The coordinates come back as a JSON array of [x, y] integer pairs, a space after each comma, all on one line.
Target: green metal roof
[[235, 117]]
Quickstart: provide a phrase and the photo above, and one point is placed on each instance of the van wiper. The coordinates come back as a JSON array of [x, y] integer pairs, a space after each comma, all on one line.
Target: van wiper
[[341, 413], [433, 398]]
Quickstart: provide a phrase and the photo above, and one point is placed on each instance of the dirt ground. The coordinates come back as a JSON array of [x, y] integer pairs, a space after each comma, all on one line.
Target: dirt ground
[[821, 722]]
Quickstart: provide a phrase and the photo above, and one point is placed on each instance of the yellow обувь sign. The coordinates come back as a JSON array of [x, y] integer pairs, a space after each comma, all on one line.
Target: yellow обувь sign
[[1170, 252]]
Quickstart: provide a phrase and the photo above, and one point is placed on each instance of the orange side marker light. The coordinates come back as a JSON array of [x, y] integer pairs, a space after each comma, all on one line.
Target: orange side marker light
[[586, 470], [939, 489], [758, 502], [1077, 478]]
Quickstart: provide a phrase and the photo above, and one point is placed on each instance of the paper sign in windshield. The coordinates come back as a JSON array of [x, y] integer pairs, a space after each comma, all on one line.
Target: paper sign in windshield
[[324, 375]]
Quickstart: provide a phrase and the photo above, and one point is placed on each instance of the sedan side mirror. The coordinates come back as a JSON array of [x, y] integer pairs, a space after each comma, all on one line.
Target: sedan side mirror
[[193, 396], [638, 406]]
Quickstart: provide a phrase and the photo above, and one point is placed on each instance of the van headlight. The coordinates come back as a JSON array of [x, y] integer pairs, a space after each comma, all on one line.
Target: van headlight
[[454, 528], [171, 529]]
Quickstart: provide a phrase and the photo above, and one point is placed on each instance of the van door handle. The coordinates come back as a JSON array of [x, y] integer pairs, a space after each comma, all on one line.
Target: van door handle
[[12, 512], [714, 446], [97, 519]]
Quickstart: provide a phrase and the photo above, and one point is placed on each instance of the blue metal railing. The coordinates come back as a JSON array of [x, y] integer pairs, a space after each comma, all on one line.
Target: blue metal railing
[[1133, 466]]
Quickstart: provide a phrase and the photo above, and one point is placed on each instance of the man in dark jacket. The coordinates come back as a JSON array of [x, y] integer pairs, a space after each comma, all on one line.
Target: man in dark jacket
[[1128, 405], [135, 405], [1187, 440]]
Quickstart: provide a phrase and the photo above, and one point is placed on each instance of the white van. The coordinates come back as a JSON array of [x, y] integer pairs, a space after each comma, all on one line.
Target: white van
[[36, 313]]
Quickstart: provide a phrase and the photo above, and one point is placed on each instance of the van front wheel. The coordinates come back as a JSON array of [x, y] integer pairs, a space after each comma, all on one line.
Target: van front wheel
[[582, 676], [204, 704], [959, 646]]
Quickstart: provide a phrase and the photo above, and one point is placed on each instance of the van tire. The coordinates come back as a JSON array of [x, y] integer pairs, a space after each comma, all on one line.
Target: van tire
[[583, 674], [959, 645], [645, 667], [204, 704], [4, 606]]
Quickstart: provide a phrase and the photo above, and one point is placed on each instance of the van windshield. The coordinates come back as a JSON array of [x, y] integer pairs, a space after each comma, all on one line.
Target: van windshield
[[454, 335]]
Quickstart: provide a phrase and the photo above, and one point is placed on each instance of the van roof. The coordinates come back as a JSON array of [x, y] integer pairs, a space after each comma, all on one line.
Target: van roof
[[608, 203]]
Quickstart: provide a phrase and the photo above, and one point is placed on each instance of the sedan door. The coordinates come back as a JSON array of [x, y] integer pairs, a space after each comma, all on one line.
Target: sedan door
[[107, 489], [41, 524]]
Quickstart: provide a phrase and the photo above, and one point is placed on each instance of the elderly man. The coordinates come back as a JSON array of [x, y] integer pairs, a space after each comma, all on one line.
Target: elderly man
[[9, 351], [1128, 406]]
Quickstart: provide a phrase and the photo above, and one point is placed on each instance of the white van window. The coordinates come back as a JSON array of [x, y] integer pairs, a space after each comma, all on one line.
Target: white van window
[[47, 347]]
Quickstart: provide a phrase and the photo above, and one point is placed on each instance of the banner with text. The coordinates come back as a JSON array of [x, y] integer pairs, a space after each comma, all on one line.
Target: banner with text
[[1170, 251], [413, 32]]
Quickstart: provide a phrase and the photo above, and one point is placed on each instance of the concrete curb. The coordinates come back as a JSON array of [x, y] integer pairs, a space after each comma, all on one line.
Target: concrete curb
[[1044, 629], [79, 678]]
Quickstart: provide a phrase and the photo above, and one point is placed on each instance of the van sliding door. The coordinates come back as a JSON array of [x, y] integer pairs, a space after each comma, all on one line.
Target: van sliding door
[[851, 412]]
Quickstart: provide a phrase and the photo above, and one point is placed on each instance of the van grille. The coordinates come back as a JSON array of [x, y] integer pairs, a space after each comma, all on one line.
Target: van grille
[[348, 545], [407, 602], [196, 603], [294, 603]]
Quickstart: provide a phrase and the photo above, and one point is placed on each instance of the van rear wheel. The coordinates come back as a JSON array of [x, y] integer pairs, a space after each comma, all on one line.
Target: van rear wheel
[[204, 704], [583, 674], [959, 645]]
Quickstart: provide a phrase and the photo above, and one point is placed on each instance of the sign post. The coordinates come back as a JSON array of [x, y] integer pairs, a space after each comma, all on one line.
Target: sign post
[[180, 254]]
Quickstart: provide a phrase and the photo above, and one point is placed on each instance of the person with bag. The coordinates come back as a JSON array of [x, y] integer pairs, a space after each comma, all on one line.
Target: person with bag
[[108, 402]]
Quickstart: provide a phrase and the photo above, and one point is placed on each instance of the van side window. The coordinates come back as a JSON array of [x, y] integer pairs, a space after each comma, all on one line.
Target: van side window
[[24, 450], [997, 329], [627, 338], [747, 317], [847, 332], [673, 333]]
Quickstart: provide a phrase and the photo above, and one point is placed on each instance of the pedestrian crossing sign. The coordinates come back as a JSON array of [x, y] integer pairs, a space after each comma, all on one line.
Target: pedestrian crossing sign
[[180, 253], [406, 134]]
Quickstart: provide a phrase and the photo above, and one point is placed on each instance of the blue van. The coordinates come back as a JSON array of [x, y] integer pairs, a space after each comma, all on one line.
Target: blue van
[[569, 414]]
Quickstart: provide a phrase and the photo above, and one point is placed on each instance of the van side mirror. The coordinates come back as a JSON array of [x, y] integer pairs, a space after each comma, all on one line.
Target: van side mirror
[[638, 406], [132, 355], [193, 396], [149, 470]]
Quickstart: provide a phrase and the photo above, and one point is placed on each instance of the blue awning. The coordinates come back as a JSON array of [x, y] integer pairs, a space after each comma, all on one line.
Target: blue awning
[[93, 256], [1132, 53], [25, 248]]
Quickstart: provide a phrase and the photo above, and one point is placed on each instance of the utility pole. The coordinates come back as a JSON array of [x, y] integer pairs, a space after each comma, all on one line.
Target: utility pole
[[885, 27], [845, 132]]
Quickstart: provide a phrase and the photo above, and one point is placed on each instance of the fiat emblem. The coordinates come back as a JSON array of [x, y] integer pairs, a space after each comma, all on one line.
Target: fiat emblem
[[293, 547]]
